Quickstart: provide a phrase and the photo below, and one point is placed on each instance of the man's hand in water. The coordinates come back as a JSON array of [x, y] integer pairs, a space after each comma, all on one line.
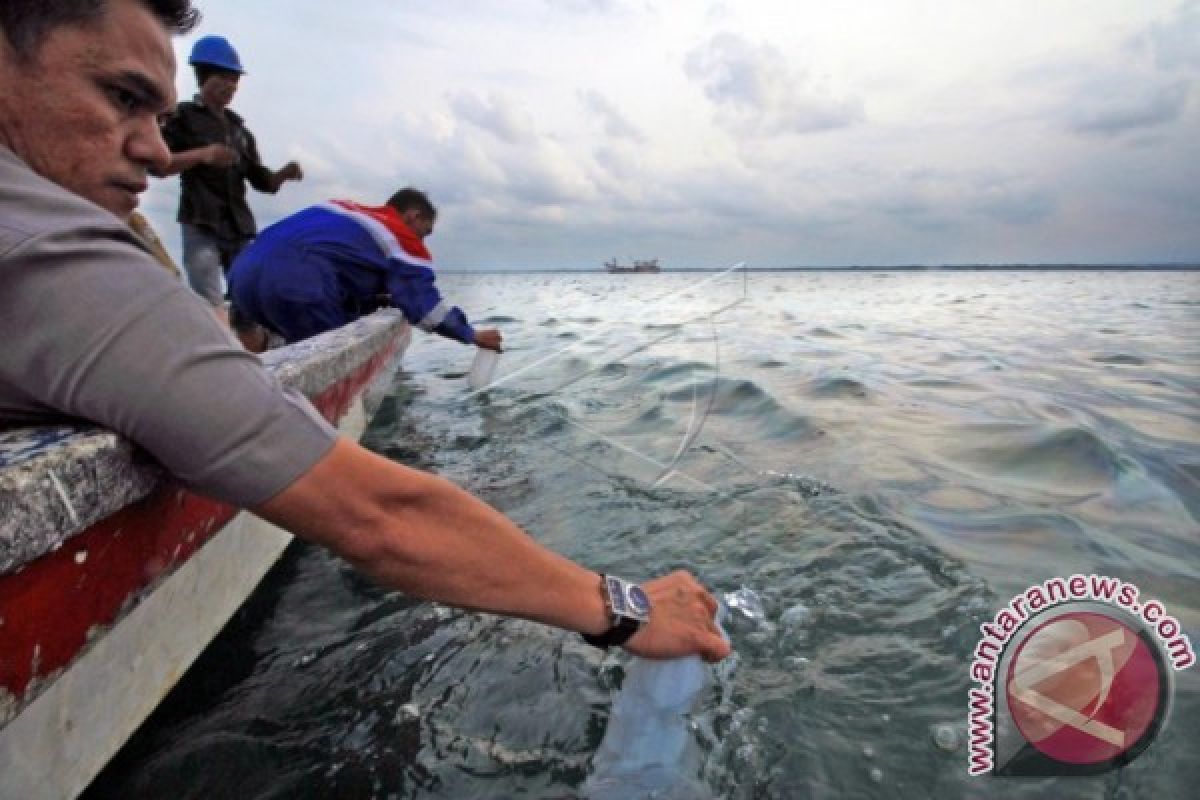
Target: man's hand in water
[[682, 621], [489, 339]]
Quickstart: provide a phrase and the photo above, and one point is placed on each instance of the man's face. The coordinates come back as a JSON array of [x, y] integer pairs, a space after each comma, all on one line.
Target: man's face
[[83, 111], [219, 88], [420, 224]]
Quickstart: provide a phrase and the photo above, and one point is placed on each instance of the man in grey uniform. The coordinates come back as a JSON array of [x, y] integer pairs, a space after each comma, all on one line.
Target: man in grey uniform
[[82, 85]]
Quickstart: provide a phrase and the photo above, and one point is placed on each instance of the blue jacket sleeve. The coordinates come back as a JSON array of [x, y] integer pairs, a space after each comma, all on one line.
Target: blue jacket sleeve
[[413, 291]]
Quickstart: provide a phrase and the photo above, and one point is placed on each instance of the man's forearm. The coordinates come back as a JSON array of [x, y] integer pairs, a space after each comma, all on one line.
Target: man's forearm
[[421, 534], [185, 159]]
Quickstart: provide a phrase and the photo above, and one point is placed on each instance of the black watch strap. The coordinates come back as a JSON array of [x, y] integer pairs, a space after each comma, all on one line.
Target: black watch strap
[[615, 636]]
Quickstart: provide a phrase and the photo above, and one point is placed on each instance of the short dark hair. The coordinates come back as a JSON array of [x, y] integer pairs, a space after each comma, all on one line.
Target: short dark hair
[[408, 199], [27, 23], [206, 71]]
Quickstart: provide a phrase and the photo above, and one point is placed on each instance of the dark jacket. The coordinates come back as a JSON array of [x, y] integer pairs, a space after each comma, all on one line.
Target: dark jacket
[[215, 197]]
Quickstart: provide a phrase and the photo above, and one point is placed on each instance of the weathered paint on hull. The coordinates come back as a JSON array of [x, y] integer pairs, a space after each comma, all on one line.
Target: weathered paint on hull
[[94, 634], [58, 744]]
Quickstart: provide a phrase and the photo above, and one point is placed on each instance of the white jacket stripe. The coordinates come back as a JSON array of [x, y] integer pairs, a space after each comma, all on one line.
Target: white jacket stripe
[[434, 317]]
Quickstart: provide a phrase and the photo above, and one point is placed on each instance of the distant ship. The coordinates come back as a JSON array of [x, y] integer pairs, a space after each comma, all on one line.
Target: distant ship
[[649, 265]]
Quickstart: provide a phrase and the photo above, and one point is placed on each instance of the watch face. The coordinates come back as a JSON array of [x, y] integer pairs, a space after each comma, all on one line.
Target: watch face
[[618, 604], [639, 603]]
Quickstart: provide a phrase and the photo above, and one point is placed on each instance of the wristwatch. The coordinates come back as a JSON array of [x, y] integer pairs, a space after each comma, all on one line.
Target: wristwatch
[[628, 608]]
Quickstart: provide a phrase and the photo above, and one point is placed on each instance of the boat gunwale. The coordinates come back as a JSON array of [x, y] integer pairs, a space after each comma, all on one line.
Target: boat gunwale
[[56, 481]]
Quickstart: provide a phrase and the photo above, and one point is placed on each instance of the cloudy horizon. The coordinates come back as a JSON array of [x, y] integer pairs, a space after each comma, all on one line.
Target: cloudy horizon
[[561, 134]]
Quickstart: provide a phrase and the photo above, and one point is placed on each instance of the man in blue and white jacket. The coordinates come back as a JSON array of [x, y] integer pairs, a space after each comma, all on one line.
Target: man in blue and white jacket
[[329, 264]]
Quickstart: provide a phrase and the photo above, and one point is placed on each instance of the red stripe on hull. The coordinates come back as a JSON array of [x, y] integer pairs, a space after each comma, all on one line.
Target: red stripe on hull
[[48, 608]]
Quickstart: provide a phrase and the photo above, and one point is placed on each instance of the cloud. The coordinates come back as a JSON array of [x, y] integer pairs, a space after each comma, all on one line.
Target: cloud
[[757, 92], [940, 200], [484, 159], [560, 134], [615, 124], [601, 7], [1126, 94], [718, 13], [1123, 109], [1176, 43], [1012, 203], [495, 115], [1150, 90]]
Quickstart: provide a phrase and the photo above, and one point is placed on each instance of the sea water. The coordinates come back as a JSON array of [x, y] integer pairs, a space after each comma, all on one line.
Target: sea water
[[886, 458]]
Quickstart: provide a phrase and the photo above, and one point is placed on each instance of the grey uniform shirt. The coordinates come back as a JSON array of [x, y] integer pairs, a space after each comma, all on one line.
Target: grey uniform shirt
[[92, 328]]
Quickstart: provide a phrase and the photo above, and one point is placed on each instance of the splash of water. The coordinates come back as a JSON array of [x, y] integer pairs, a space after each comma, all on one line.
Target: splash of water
[[747, 603], [647, 750]]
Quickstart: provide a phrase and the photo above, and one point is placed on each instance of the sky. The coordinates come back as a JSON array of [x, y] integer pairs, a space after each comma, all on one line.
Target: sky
[[561, 133]]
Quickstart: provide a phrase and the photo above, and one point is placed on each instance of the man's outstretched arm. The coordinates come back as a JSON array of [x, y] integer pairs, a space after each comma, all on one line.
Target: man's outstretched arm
[[212, 155], [423, 535]]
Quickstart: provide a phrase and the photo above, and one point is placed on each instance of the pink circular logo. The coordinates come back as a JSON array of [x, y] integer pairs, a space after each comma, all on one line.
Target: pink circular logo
[[1084, 688]]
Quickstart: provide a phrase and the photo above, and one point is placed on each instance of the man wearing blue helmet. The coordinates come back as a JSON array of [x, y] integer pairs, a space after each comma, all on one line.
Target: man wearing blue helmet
[[217, 156]]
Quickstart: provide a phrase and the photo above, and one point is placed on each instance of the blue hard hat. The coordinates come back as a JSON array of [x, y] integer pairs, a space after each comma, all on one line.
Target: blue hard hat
[[216, 51]]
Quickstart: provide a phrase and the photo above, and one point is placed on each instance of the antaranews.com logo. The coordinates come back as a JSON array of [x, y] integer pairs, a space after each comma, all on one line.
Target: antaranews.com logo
[[1075, 677]]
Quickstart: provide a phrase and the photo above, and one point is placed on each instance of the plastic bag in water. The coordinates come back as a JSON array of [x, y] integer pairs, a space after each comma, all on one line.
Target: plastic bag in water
[[483, 368], [645, 751]]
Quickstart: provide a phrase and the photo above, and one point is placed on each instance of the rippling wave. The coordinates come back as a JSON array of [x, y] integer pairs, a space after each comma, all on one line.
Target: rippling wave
[[885, 462]]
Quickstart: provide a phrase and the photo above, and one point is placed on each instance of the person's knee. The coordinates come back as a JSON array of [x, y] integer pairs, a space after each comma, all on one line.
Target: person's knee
[[202, 263], [200, 251]]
